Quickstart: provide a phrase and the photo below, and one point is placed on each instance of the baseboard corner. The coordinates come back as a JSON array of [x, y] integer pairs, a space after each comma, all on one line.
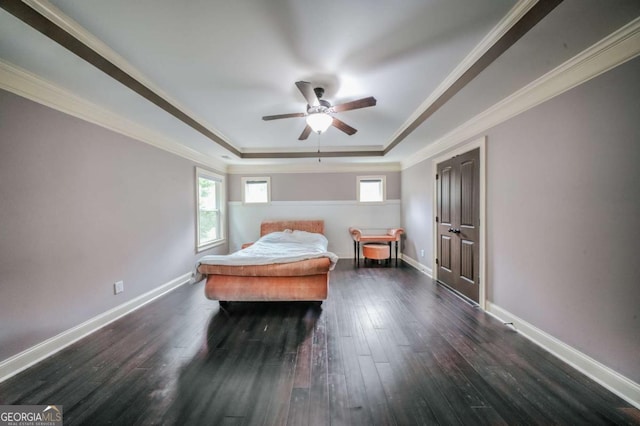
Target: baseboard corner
[[417, 265], [31, 356], [615, 382]]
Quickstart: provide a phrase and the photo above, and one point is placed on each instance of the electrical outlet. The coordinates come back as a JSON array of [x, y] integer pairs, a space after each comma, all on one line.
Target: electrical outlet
[[422, 253], [118, 287]]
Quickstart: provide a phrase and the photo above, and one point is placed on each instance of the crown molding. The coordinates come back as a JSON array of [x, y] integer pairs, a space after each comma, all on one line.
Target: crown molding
[[61, 28], [610, 52], [28, 85], [169, 104], [509, 20], [313, 168], [312, 149]]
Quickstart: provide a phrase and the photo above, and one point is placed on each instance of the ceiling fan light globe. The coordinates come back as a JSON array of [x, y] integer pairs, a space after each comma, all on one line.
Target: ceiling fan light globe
[[319, 122]]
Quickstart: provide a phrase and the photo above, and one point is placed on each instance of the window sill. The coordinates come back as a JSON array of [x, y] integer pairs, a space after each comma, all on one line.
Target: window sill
[[210, 245]]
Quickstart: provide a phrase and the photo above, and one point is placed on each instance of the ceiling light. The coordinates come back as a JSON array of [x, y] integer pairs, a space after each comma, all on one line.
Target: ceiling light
[[319, 121]]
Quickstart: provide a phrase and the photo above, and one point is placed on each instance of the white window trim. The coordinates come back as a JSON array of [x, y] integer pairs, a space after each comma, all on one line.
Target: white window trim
[[223, 202], [246, 179], [382, 178]]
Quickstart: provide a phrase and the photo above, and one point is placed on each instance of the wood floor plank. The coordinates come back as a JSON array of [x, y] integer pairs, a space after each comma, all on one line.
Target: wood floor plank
[[299, 407], [263, 394], [338, 400], [354, 328], [335, 364], [302, 377], [319, 387], [498, 386], [389, 346], [407, 406], [369, 331], [376, 399], [358, 407], [278, 410], [430, 388]]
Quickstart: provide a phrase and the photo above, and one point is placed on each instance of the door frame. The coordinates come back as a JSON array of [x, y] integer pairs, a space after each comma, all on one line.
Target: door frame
[[482, 273]]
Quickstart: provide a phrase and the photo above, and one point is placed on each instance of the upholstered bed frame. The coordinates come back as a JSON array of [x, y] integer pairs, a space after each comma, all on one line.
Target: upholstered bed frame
[[306, 280]]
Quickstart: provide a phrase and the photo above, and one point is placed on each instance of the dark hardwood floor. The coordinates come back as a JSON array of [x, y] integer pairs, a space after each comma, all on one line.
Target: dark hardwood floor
[[388, 347]]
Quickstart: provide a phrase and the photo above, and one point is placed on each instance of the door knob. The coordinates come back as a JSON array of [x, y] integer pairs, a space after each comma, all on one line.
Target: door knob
[[456, 231]]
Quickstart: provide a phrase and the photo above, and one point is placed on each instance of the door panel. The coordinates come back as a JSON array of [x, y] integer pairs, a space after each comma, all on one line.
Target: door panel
[[445, 206], [466, 260], [445, 252], [458, 198], [466, 193]]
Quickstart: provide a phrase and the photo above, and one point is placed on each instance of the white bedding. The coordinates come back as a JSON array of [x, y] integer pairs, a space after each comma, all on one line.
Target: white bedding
[[276, 247]]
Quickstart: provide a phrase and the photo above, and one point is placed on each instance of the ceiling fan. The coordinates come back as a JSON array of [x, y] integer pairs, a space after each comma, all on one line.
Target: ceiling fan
[[320, 112]]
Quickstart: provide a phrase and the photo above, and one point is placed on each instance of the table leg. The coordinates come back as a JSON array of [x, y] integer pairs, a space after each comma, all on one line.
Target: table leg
[[396, 253]]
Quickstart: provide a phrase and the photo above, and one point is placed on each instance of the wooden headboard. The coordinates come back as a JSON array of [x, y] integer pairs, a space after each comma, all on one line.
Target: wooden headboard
[[269, 226]]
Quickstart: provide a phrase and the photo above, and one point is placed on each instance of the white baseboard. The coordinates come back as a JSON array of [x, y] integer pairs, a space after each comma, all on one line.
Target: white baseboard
[[37, 353], [612, 380], [419, 266]]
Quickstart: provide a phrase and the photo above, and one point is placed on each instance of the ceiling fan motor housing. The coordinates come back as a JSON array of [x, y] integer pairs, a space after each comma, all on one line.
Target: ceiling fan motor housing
[[323, 107]]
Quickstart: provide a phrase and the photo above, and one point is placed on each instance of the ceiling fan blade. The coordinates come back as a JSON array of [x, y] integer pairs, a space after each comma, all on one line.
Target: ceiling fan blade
[[305, 133], [343, 126], [360, 103], [308, 93], [279, 116]]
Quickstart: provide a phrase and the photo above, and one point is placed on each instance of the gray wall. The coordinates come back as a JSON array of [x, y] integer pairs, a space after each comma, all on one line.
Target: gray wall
[[314, 186], [563, 199], [327, 196], [417, 211], [80, 208]]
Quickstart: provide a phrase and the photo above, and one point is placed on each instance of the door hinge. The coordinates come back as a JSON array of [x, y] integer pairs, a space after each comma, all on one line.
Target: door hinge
[[437, 176], [437, 263], [437, 220]]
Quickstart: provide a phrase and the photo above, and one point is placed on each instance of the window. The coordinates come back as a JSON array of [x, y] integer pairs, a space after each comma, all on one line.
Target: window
[[372, 189], [256, 189], [211, 201]]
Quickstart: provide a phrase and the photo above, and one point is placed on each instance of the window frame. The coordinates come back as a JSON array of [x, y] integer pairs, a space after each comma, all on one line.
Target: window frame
[[221, 201], [245, 179], [381, 178]]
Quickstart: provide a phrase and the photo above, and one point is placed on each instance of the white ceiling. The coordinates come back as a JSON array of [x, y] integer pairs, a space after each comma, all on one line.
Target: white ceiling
[[228, 63]]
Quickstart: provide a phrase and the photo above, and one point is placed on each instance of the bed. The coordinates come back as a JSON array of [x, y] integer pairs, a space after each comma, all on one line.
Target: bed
[[289, 262]]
